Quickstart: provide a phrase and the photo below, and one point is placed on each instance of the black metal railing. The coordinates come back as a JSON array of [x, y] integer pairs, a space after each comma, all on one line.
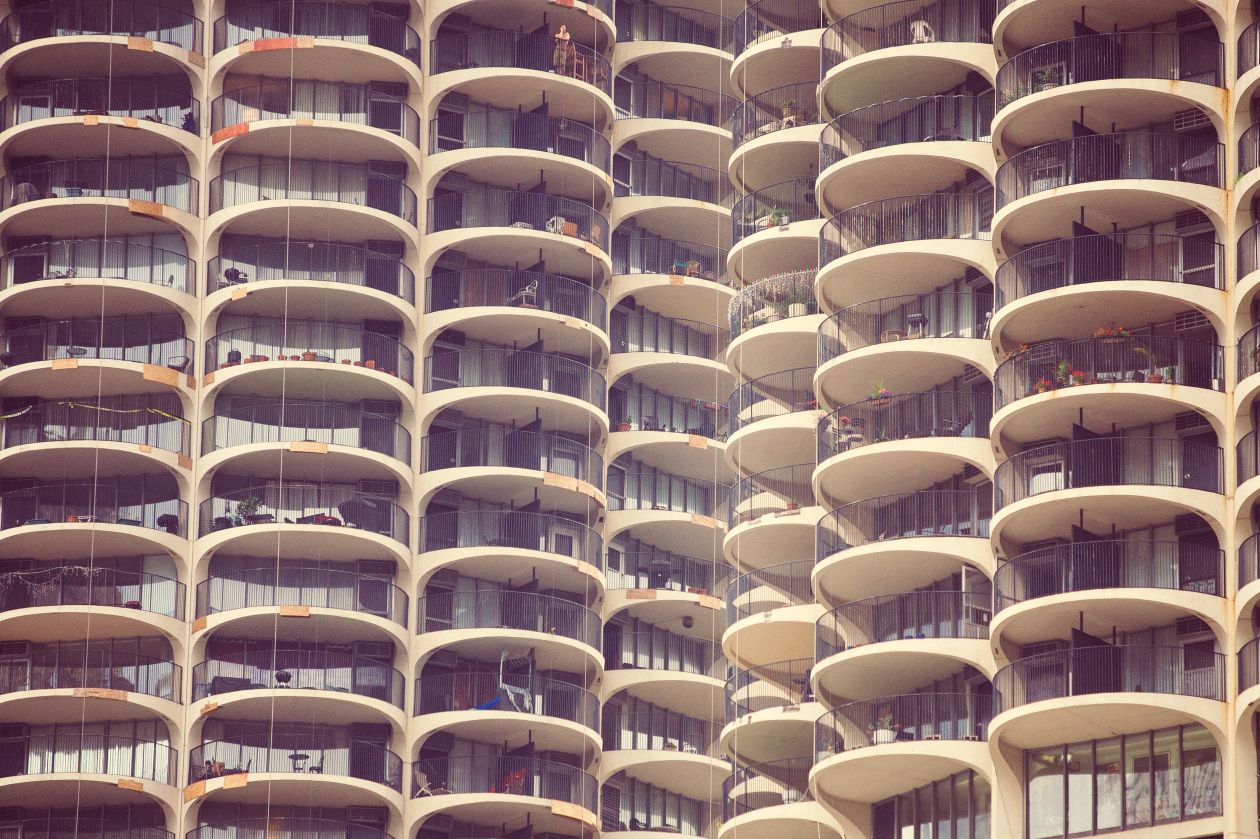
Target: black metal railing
[[665, 651], [657, 100], [1249, 560], [84, 585], [657, 333], [297, 503], [939, 314], [1154, 359], [322, 588], [780, 684], [327, 670], [667, 493], [665, 256], [902, 718], [773, 395], [129, 178], [906, 416], [774, 206], [664, 571], [546, 532], [787, 295], [325, 262], [908, 515], [110, 259], [513, 449], [519, 50], [1248, 48], [319, 753], [311, 341], [905, 23], [65, 752], [1248, 452], [133, 18], [357, 104], [905, 616], [323, 181], [522, 210], [654, 178], [494, 367], [1109, 461], [278, 827], [93, 503], [1107, 668], [676, 414], [501, 128], [916, 119], [337, 424], [1109, 564], [908, 218], [1102, 257], [1249, 150], [1137, 155], [505, 775], [777, 490], [109, 339], [350, 22], [766, 20], [540, 695], [768, 784], [661, 730], [149, 99], [130, 673], [60, 422], [508, 610], [1249, 251], [1249, 665], [788, 106], [676, 25], [765, 589]]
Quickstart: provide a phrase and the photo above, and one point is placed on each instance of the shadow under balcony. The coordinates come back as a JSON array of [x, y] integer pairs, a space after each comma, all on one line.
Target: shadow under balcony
[[131, 18], [772, 800], [257, 591]]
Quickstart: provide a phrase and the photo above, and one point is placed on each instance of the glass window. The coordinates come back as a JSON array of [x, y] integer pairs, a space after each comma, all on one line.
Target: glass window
[[1080, 788], [1166, 765], [962, 806], [1108, 785], [981, 796], [1137, 779], [944, 796], [1044, 770], [1202, 794], [905, 816]]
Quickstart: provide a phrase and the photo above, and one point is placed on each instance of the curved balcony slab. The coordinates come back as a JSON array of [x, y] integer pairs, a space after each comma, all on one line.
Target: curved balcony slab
[[665, 687], [773, 536], [775, 154], [792, 820], [688, 534], [891, 667], [497, 725], [255, 620], [771, 634], [73, 705], [898, 466], [896, 71], [333, 706], [274, 54], [455, 784], [315, 539], [776, 54], [69, 789], [915, 365], [772, 732], [50, 56], [772, 442], [694, 775], [767, 251], [284, 784], [878, 772], [490, 560], [67, 621], [887, 172], [889, 566]]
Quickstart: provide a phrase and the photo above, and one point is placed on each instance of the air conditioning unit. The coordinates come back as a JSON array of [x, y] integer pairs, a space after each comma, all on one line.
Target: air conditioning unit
[[1191, 321], [1191, 626]]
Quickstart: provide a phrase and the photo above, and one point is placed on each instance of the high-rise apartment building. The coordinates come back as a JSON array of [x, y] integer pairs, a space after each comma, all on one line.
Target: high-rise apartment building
[[552, 419]]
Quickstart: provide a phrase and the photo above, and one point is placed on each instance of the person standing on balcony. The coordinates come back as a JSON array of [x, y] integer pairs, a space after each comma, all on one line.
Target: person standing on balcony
[[560, 53]]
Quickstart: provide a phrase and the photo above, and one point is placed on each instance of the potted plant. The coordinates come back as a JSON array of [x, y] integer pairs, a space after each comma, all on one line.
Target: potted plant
[[1044, 385], [884, 729], [780, 216], [879, 394], [1154, 374], [1168, 375], [624, 425], [794, 505], [247, 510], [1112, 333], [309, 355]]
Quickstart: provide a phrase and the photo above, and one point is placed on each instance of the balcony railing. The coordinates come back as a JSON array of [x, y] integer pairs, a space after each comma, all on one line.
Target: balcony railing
[[147, 676], [500, 128], [1248, 351], [664, 571], [903, 718], [61, 422], [324, 670], [1249, 665], [319, 422], [787, 295], [355, 104], [1137, 155], [509, 287], [906, 416], [492, 367], [278, 827], [132, 18], [88, 503], [664, 256], [773, 206], [950, 314], [658, 100], [656, 333], [297, 503], [676, 414], [311, 341], [1109, 461], [660, 730], [774, 110], [81, 585], [79, 753], [539, 695], [512, 449], [768, 784], [778, 490], [767, 20], [664, 492], [1109, 564], [917, 119], [350, 22], [546, 532], [1140, 257], [1248, 48], [508, 610], [136, 179], [505, 775], [110, 339], [1053, 365], [898, 617], [326, 262], [773, 395], [650, 177], [766, 589], [906, 23], [148, 99], [781, 684], [907, 515], [675, 25], [81, 827], [1167, 56], [663, 651], [909, 218], [488, 49], [323, 588], [311, 754], [1108, 668], [110, 259], [523, 210], [322, 181]]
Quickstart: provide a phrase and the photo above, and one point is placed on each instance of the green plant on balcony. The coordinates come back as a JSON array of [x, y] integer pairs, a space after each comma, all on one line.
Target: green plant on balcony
[[1155, 371], [779, 216], [247, 509]]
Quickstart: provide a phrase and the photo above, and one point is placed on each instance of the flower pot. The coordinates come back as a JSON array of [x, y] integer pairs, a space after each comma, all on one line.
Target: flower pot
[[882, 736], [370, 364], [623, 426], [308, 356], [793, 505], [880, 400], [1155, 378], [345, 361], [72, 519], [1114, 339]]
